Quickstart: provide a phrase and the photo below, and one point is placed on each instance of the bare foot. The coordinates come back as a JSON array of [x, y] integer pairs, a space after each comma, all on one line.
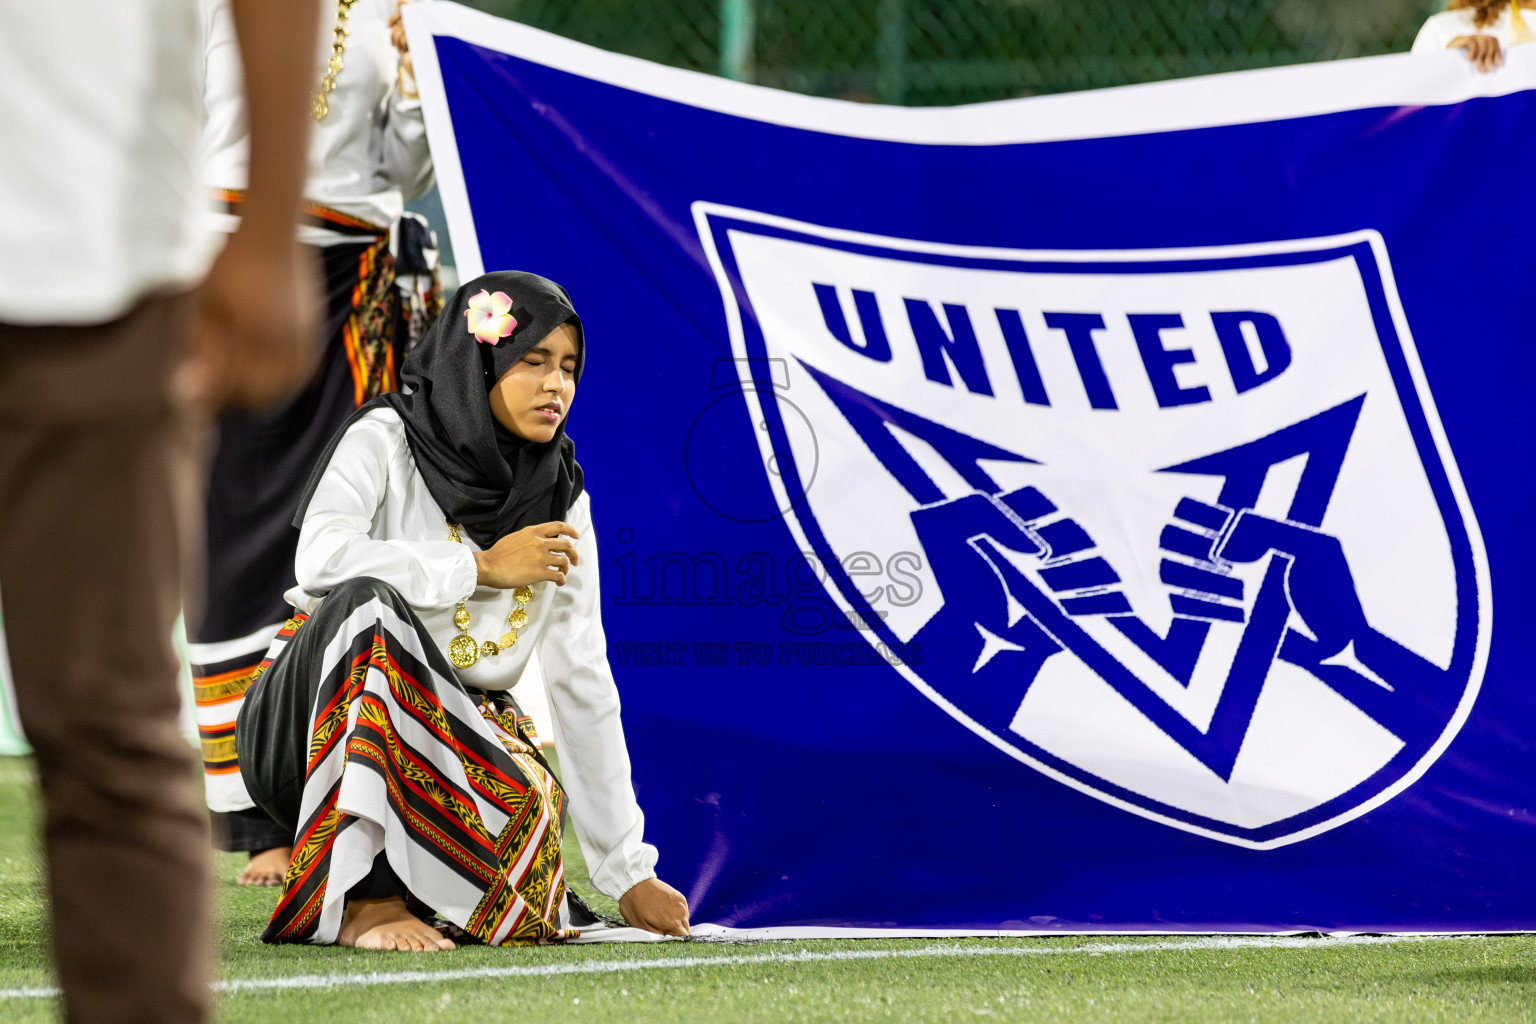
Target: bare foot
[[387, 924], [267, 867]]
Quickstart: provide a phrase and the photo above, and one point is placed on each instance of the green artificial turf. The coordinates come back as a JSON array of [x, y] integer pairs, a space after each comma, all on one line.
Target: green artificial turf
[[1477, 979]]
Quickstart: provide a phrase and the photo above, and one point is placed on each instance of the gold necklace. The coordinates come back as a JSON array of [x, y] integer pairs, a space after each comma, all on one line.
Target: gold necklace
[[319, 106], [463, 651]]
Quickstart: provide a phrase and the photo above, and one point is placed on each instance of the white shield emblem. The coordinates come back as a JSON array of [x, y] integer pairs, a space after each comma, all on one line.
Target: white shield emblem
[[1190, 536]]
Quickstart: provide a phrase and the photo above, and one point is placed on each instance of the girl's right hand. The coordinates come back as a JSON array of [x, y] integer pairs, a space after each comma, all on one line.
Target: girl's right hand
[[655, 906], [528, 556], [1482, 51]]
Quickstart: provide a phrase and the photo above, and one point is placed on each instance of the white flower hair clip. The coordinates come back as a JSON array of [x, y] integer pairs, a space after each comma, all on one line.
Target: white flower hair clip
[[490, 316]]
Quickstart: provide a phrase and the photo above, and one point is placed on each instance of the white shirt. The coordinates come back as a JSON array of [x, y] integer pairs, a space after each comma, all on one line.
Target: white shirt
[[1441, 29], [372, 515], [99, 203], [367, 156]]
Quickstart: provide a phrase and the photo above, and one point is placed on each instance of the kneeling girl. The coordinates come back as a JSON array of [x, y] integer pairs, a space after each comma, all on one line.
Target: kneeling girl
[[444, 538]]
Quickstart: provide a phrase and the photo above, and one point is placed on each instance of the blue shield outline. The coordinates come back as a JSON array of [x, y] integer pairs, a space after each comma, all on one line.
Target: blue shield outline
[[1367, 251]]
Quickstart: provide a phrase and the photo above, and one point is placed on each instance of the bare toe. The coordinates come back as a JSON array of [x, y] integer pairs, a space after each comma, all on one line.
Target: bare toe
[[267, 867], [388, 924]]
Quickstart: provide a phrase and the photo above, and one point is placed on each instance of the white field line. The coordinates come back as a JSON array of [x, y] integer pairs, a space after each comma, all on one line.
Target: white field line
[[302, 981]]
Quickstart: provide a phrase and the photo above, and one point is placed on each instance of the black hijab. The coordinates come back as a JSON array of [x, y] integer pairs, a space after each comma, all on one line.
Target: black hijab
[[481, 474]]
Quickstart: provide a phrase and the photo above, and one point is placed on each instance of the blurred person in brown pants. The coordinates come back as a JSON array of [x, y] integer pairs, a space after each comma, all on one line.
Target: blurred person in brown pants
[[101, 253]]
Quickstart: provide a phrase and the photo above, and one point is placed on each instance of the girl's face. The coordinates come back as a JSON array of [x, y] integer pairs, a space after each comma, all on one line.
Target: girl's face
[[534, 397]]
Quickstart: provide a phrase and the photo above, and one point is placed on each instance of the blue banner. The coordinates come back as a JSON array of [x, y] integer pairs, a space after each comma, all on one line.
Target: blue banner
[[1086, 513]]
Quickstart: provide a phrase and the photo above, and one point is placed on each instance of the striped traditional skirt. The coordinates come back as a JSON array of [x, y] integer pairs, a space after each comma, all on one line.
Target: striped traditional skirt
[[360, 741]]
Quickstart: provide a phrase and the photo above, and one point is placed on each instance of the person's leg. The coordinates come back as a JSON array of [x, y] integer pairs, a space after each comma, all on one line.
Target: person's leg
[[250, 831], [367, 738], [259, 467], [377, 916], [96, 479], [275, 721], [272, 732]]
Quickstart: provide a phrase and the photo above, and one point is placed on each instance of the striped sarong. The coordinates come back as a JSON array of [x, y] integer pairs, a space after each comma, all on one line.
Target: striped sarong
[[360, 738]]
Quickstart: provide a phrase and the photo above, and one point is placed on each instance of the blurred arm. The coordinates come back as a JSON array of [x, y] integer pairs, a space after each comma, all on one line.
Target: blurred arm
[[257, 311], [278, 40]]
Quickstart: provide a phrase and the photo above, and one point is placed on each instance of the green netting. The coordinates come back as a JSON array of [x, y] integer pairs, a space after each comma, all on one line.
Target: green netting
[[925, 52]]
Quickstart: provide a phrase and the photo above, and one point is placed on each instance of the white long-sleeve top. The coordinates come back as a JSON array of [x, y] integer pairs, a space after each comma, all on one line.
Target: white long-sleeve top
[[372, 515], [98, 158], [369, 154], [1443, 28]]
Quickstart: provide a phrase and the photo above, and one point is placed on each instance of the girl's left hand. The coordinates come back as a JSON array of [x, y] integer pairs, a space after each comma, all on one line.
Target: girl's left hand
[[1483, 51], [655, 906]]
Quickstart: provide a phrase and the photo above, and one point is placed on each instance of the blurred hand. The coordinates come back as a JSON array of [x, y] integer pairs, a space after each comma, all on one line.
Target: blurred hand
[[655, 906], [1482, 51], [397, 36], [254, 341]]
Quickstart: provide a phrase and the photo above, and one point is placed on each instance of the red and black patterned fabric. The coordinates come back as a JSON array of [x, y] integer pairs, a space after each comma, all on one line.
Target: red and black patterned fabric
[[370, 745]]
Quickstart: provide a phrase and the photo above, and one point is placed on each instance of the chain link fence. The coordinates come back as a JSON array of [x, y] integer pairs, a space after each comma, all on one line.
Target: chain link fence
[[936, 52]]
